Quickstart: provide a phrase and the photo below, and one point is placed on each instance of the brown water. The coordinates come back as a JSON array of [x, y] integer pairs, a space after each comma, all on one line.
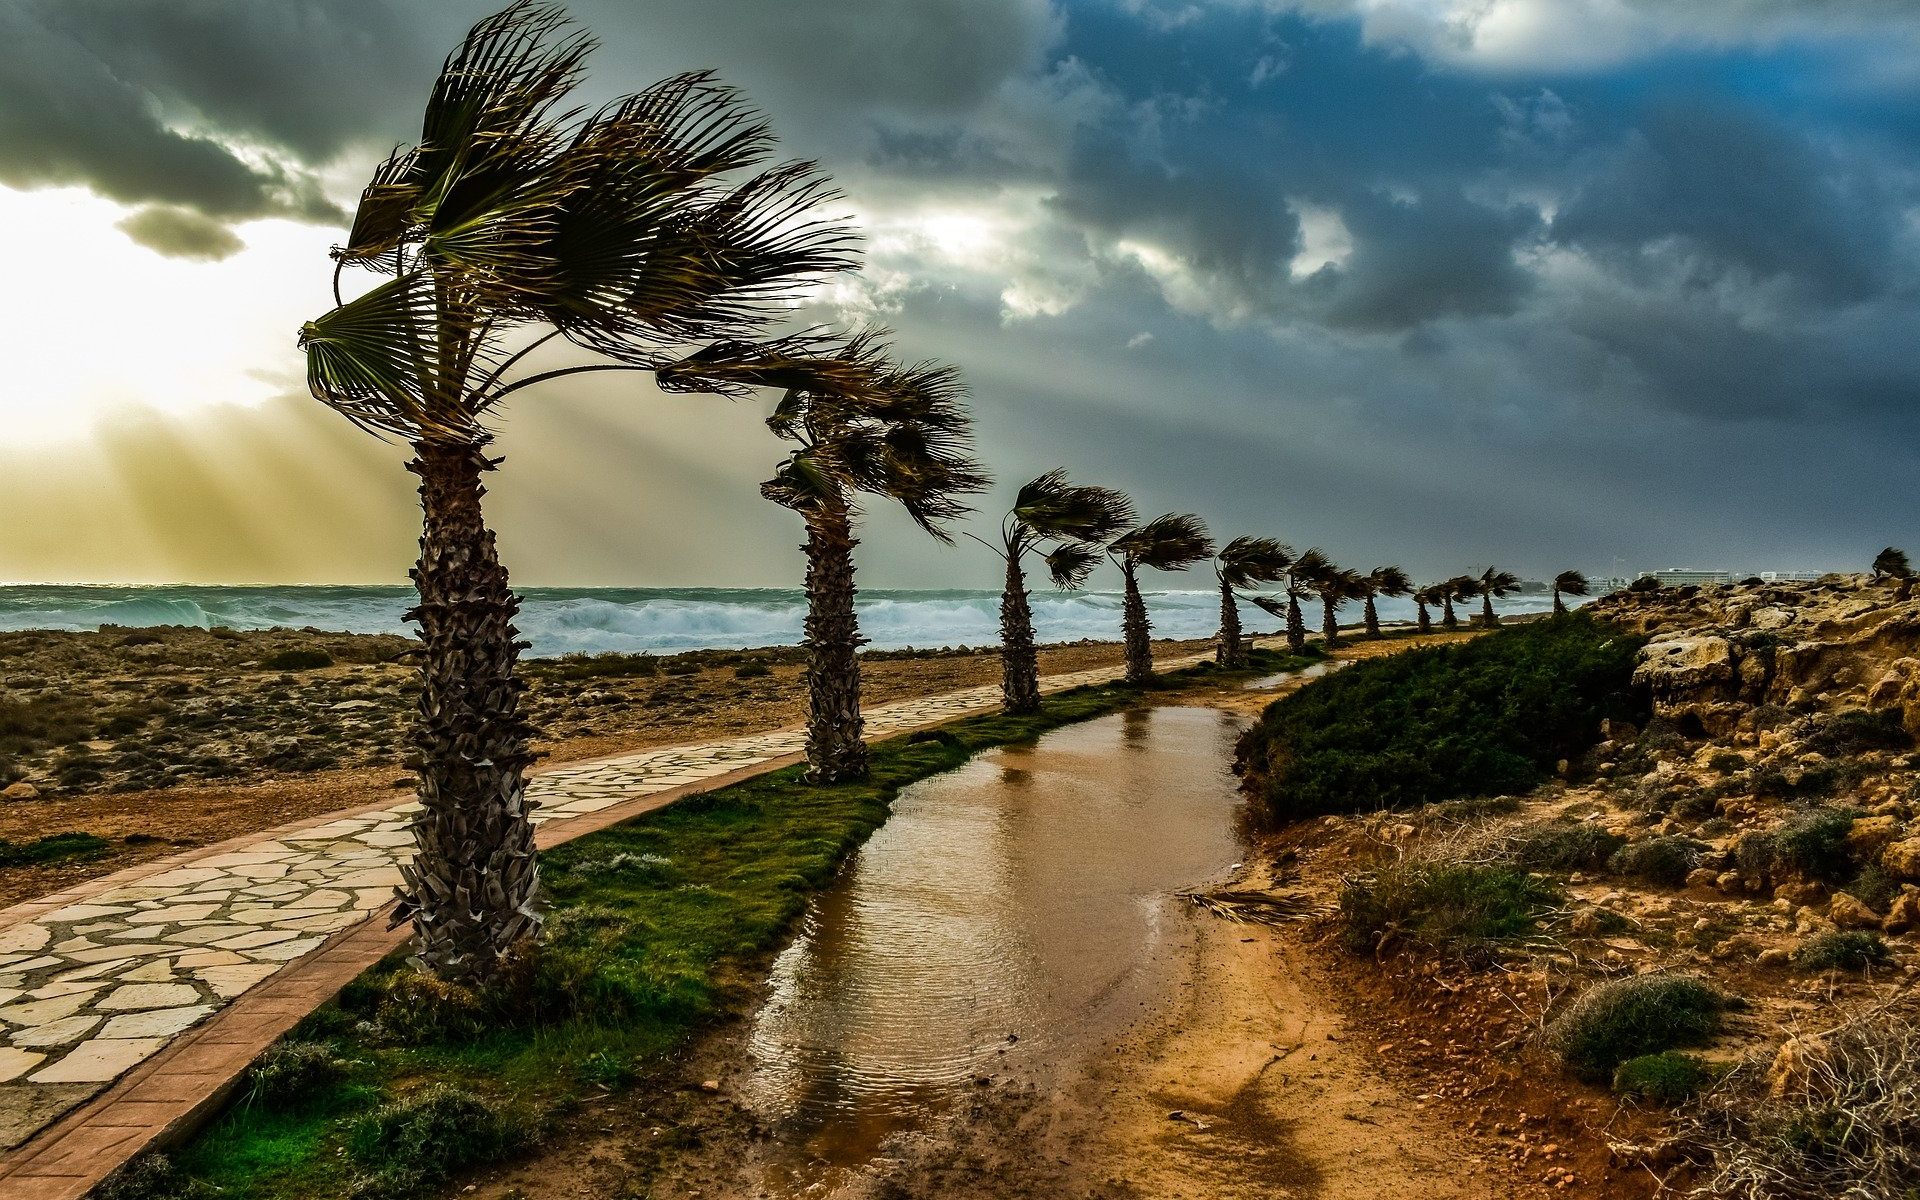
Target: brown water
[[1316, 671], [1007, 907]]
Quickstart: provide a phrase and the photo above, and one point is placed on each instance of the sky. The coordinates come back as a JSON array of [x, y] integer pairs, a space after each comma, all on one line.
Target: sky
[[1543, 283]]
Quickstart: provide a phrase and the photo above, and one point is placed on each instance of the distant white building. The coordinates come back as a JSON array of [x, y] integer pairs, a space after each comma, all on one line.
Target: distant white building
[[1684, 576], [1790, 576]]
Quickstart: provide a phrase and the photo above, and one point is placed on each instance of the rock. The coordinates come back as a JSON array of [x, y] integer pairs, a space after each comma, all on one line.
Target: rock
[[1618, 732], [1848, 912], [1902, 858], [1801, 892], [1903, 915], [20, 791], [1731, 883], [353, 705], [1703, 877], [1868, 835], [1773, 958], [1793, 1066]]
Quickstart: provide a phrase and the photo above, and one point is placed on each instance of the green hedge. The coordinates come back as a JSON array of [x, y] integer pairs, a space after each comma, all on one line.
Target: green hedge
[[1480, 718]]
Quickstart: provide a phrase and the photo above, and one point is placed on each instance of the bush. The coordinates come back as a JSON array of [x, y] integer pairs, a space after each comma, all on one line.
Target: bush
[[1875, 888], [1620, 1019], [1487, 717], [297, 660], [58, 847], [1842, 950], [418, 1007], [422, 1139], [1440, 905], [1667, 1078], [291, 1073], [752, 671], [1854, 730], [1562, 846], [1664, 861], [1814, 844], [1727, 762], [151, 1177]]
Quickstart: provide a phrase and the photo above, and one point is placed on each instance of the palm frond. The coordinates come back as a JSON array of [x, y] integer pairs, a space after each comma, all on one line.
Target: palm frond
[[1497, 583], [376, 361], [1070, 563], [1273, 606], [1250, 561], [1389, 581], [1570, 583], [1171, 542], [1052, 507]]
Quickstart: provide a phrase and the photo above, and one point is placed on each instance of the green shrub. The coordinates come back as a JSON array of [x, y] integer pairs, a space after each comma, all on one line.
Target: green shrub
[[416, 1007], [1620, 1019], [752, 671], [1814, 844], [1854, 730], [1667, 1078], [1875, 888], [151, 1177], [596, 666], [291, 1073], [1562, 846], [54, 848], [1440, 905], [1727, 762], [1842, 950], [422, 1139], [1664, 861], [1486, 717], [297, 660]]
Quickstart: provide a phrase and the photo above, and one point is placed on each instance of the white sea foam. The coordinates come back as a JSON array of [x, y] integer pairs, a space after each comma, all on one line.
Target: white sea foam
[[596, 620]]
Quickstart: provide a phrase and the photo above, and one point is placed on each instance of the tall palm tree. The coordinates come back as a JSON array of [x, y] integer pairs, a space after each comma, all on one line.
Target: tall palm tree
[[1070, 525], [1382, 581], [1461, 588], [1567, 583], [1493, 583], [1335, 586], [633, 232], [904, 437], [1422, 597], [1244, 562], [1172, 542], [1298, 585]]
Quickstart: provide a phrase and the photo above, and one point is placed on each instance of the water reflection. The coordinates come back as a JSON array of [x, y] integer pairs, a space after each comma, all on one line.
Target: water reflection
[[1014, 897]]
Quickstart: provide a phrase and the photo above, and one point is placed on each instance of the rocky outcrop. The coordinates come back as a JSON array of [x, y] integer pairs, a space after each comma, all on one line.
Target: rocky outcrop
[[1719, 659]]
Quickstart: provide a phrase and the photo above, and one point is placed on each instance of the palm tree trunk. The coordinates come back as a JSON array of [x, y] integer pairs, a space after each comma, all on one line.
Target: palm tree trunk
[[1329, 624], [1230, 651], [473, 884], [1296, 627], [1559, 608], [835, 751], [1373, 618], [1426, 622], [1446, 613], [1134, 623], [1019, 660], [1487, 617]]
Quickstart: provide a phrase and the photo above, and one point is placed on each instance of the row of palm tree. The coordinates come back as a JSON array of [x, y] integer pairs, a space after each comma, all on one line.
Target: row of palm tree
[[656, 236]]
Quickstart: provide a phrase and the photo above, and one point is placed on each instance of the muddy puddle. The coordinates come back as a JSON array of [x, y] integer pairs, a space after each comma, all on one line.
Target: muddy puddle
[[1316, 671], [1009, 908]]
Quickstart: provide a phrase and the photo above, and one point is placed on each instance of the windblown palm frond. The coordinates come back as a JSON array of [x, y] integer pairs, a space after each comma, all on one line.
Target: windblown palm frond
[[1463, 587], [1570, 583], [1308, 572], [1273, 606], [1497, 583], [1388, 581], [1050, 507], [1070, 563], [1171, 542], [1251, 561]]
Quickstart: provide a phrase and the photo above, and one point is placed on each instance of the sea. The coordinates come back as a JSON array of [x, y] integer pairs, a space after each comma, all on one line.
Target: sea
[[652, 620]]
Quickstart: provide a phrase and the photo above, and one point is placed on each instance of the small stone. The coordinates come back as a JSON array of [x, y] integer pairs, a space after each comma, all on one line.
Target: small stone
[[20, 791], [1703, 877], [1848, 912], [1902, 858], [710, 1085]]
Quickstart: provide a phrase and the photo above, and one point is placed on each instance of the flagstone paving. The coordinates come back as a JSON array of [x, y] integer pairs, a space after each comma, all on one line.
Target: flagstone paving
[[93, 988]]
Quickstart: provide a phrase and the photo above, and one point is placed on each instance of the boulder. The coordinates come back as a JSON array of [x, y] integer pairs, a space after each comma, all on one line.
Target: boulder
[[19, 791], [1703, 877], [1868, 835], [1794, 1066], [1903, 915], [1849, 912], [1902, 858]]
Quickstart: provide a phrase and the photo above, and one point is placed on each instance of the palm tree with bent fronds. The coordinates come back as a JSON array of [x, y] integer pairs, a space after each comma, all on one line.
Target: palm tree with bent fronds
[[633, 233], [1567, 583], [1892, 563], [1423, 599], [1382, 581], [1334, 586], [1172, 542], [1461, 588], [1491, 583], [905, 436], [1244, 562], [1070, 526], [1298, 585]]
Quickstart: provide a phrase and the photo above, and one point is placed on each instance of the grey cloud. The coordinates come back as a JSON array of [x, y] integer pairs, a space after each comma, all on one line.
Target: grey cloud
[[181, 233], [1418, 259]]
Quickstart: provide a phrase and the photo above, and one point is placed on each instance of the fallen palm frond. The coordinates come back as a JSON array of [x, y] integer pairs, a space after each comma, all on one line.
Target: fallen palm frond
[[1255, 908]]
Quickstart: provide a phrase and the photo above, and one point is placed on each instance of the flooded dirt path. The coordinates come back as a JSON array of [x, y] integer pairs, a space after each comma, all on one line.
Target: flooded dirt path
[[1004, 996]]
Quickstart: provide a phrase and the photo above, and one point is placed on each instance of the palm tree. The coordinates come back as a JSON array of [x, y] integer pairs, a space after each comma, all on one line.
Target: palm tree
[[1460, 587], [1072, 524], [1493, 583], [1382, 581], [627, 232], [1298, 585], [1335, 586], [1567, 583], [906, 438], [1172, 542], [1422, 597], [1892, 563], [1244, 562]]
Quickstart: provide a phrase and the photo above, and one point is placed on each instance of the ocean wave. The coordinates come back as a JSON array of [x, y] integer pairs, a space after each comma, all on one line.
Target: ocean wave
[[663, 620]]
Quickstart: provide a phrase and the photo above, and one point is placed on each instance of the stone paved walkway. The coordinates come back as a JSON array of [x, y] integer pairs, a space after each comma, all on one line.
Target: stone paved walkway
[[95, 986]]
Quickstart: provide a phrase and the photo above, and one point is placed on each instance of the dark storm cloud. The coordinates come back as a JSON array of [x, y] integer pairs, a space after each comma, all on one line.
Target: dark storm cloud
[[1413, 261], [181, 233]]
